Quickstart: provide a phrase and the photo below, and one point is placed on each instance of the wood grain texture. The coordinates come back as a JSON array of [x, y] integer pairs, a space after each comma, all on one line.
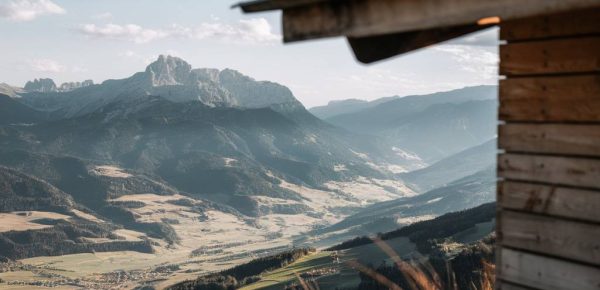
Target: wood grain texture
[[580, 172], [508, 286], [568, 139], [556, 56], [556, 237], [547, 273], [550, 99], [550, 200], [581, 22], [360, 18]]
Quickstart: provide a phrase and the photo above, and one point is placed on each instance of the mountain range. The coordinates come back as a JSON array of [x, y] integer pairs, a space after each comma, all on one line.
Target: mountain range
[[179, 161], [430, 127]]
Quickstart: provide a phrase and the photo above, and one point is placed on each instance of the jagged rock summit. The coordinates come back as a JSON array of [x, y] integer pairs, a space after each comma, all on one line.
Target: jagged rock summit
[[168, 71], [41, 85], [69, 86], [169, 77], [49, 86], [212, 86]]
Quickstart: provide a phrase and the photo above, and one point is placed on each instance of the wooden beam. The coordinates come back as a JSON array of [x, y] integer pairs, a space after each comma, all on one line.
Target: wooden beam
[[501, 285], [556, 56], [550, 200], [577, 23], [361, 18], [545, 272], [568, 139], [547, 235], [578, 172], [266, 5], [374, 48], [551, 98]]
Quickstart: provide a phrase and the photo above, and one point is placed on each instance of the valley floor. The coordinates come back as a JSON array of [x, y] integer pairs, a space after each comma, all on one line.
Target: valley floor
[[214, 241]]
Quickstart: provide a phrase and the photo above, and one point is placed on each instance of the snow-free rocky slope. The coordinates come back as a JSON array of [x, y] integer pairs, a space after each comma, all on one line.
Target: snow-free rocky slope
[[171, 78], [245, 148]]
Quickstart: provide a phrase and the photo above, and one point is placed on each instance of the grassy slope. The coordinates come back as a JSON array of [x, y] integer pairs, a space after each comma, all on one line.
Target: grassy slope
[[347, 277], [277, 278]]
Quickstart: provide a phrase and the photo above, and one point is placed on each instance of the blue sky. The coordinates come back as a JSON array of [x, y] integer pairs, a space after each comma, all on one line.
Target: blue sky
[[73, 40]]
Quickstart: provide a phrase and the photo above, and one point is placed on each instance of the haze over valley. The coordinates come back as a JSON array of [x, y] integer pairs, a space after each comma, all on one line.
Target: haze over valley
[[175, 172]]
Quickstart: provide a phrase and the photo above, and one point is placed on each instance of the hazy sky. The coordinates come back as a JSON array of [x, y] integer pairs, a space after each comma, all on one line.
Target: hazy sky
[[74, 40]]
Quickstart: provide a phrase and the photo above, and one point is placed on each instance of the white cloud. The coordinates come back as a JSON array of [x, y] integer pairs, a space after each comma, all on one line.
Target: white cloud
[[473, 59], [26, 10], [46, 65], [131, 32], [105, 15], [146, 58], [380, 82], [253, 31]]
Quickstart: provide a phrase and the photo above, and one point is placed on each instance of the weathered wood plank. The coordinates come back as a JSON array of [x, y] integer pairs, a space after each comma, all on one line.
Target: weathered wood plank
[[508, 286], [579, 172], [359, 18], [570, 55], [547, 273], [581, 22], [550, 200], [552, 236], [558, 98], [550, 138]]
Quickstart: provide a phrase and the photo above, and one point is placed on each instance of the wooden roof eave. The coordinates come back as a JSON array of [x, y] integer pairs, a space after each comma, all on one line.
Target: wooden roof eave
[[308, 19], [377, 29], [374, 48], [359, 18]]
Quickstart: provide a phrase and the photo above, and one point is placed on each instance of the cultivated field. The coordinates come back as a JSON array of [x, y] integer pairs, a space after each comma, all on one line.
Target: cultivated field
[[25, 220]]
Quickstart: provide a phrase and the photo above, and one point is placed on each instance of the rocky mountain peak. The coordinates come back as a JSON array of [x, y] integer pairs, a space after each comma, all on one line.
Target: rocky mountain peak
[[230, 75], [69, 86], [41, 85], [168, 71]]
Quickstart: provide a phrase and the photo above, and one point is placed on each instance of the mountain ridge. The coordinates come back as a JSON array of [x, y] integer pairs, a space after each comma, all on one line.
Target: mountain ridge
[[170, 77]]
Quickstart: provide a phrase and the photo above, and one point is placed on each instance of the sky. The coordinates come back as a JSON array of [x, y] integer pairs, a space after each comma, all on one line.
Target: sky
[[75, 40]]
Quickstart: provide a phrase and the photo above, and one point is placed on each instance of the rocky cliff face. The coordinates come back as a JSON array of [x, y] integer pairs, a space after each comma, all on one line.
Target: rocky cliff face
[[41, 85], [168, 71], [69, 86], [10, 91], [212, 86], [169, 77]]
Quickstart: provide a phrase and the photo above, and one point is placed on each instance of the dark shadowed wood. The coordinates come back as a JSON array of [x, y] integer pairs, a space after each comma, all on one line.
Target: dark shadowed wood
[[507, 286], [374, 48], [569, 139], [550, 200], [571, 55], [556, 237], [547, 273], [579, 172], [262, 5], [555, 99], [582, 22], [361, 18]]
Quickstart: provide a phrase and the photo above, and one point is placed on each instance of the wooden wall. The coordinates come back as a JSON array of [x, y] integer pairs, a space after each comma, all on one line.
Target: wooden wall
[[549, 166]]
